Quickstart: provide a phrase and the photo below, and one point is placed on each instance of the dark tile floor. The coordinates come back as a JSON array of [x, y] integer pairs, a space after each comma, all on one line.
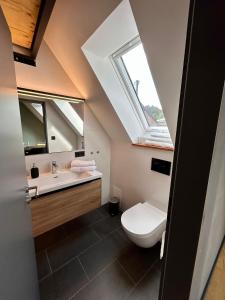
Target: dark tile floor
[[90, 258]]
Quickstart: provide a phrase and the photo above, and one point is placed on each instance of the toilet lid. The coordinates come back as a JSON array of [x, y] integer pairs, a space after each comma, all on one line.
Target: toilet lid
[[142, 218]]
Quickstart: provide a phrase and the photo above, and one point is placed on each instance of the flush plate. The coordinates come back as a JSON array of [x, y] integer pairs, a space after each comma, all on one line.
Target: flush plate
[[161, 166]]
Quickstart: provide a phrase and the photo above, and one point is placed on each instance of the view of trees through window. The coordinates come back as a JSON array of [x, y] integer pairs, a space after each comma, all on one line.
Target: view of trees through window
[[136, 65]]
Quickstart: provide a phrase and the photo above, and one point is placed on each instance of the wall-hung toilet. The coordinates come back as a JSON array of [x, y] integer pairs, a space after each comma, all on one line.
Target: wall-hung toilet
[[144, 224]]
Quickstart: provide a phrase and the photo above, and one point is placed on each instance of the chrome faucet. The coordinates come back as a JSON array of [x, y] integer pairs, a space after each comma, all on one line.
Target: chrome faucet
[[54, 167]]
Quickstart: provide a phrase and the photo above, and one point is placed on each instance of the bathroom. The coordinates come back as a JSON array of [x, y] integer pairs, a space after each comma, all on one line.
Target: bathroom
[[96, 161]]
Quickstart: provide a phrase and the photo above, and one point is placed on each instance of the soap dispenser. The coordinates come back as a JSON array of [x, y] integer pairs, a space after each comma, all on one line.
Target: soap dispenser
[[34, 172]]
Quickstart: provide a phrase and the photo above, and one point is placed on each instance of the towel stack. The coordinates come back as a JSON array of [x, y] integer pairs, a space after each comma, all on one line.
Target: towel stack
[[80, 166]]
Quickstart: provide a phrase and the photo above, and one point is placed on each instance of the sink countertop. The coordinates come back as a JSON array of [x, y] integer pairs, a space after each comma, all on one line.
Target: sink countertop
[[48, 182]]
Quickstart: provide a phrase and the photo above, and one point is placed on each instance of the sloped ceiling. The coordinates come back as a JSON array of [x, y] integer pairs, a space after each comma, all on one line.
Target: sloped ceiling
[[68, 28], [162, 27], [48, 76]]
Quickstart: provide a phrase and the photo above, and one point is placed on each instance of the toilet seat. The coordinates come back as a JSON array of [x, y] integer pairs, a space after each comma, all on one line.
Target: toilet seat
[[144, 223]]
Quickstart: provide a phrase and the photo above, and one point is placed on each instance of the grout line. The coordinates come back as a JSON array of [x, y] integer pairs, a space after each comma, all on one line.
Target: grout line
[[92, 279], [98, 236], [108, 234], [85, 250], [143, 276], [64, 264], [102, 239], [82, 252], [83, 269], [44, 277], [128, 274], [80, 289], [71, 259], [50, 267], [76, 256]]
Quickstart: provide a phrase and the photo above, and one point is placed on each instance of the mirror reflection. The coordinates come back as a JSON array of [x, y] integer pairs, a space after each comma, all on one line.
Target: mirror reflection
[[52, 125], [33, 119]]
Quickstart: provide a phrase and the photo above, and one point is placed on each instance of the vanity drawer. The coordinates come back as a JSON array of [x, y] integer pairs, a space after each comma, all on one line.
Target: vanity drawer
[[52, 210]]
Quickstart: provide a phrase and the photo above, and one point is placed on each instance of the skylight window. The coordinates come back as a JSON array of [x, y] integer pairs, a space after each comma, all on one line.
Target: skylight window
[[132, 67]]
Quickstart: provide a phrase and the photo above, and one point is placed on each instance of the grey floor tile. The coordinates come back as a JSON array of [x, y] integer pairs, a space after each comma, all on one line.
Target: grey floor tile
[[107, 225], [136, 261], [63, 283], [103, 253], [49, 238], [71, 246], [48, 289], [84, 221], [124, 235], [148, 288], [112, 284], [42, 264], [104, 210], [70, 278]]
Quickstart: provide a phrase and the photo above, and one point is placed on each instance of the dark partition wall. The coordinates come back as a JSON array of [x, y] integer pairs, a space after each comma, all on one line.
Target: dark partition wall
[[201, 94]]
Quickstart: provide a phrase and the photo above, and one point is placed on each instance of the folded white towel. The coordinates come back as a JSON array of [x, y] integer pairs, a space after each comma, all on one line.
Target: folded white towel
[[82, 163], [83, 169]]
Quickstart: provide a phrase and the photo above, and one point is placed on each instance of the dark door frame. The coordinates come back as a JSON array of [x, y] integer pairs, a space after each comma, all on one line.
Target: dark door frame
[[200, 100]]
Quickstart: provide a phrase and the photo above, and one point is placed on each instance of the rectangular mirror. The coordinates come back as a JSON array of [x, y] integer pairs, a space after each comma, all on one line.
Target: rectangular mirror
[[52, 124]]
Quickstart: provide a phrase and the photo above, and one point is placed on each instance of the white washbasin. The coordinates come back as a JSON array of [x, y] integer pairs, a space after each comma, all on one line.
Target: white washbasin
[[49, 182]]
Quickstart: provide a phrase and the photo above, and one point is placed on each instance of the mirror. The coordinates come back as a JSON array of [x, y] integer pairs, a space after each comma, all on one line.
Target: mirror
[[51, 125], [33, 119]]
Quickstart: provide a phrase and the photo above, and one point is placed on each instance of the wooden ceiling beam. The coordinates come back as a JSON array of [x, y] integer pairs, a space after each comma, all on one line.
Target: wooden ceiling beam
[[27, 20]]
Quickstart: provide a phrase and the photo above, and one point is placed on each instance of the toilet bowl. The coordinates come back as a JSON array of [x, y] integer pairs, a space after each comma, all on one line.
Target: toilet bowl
[[144, 224]]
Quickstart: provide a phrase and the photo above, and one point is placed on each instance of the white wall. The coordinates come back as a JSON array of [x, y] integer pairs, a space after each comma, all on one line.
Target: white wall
[[213, 225], [130, 172], [96, 140]]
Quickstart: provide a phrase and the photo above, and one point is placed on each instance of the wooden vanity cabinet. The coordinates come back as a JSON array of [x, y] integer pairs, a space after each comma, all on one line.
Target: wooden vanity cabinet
[[59, 207]]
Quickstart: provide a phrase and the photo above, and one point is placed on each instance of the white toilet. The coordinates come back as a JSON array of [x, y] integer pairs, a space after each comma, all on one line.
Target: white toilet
[[144, 224]]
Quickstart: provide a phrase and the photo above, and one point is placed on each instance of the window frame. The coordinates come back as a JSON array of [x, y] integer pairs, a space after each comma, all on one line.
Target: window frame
[[125, 79], [126, 82]]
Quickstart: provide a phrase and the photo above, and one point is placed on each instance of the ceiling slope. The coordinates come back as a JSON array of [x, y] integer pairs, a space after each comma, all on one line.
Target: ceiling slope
[[162, 30], [69, 27], [47, 76]]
